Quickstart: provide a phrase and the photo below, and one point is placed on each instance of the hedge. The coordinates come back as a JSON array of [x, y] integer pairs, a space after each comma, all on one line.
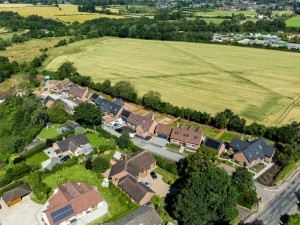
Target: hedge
[[166, 164]]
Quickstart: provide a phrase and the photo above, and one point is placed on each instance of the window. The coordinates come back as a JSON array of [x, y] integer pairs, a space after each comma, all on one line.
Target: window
[[195, 138], [186, 135], [176, 133]]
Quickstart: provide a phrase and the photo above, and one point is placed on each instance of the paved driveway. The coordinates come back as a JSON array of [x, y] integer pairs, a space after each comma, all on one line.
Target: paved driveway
[[22, 213], [157, 185], [159, 141]]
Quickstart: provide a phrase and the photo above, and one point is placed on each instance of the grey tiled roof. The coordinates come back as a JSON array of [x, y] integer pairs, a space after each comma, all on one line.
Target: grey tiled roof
[[144, 215], [254, 149], [79, 139]]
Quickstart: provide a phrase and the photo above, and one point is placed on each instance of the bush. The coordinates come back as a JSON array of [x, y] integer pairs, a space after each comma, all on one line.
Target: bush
[[11, 186], [167, 165], [100, 164]]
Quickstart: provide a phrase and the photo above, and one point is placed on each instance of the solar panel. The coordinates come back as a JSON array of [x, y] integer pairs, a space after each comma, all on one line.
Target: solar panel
[[62, 213]]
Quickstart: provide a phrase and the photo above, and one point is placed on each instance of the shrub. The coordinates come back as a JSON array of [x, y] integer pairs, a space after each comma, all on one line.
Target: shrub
[[167, 165]]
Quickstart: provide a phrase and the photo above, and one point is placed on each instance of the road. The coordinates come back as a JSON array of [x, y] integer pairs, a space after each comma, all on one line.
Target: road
[[168, 154], [284, 202]]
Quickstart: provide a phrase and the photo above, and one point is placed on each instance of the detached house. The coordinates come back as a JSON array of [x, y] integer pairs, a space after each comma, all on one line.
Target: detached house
[[79, 92], [70, 202], [76, 145], [214, 144], [143, 125], [109, 108], [127, 172], [188, 138], [59, 87], [251, 153]]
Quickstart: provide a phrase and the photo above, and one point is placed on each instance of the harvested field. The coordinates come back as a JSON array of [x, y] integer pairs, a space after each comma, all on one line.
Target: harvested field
[[65, 13], [257, 84]]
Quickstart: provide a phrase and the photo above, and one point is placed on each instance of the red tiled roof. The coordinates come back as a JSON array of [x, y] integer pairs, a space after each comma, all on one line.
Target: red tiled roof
[[163, 129], [189, 136], [80, 196]]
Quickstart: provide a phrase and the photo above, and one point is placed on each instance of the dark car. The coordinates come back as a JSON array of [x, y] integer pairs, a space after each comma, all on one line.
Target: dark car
[[65, 158], [119, 130], [153, 175]]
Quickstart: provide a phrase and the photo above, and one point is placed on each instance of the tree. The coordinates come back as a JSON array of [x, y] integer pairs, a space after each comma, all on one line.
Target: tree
[[242, 179], [57, 113], [49, 142], [293, 219], [206, 198], [88, 164], [100, 164], [152, 100], [40, 116], [200, 161], [66, 70], [125, 90], [26, 88], [87, 114], [124, 141]]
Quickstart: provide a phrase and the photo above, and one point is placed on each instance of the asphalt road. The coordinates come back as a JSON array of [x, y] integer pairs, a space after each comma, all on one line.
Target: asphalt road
[[285, 202]]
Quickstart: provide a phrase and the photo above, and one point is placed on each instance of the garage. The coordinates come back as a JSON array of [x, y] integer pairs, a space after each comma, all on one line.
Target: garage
[[14, 196], [164, 136]]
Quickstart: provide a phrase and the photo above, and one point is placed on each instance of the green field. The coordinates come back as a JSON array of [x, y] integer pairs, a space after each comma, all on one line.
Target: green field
[[260, 85], [293, 22], [226, 13]]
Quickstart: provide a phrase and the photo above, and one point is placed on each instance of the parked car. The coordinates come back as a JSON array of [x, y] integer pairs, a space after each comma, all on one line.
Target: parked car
[[119, 130], [153, 175], [149, 204], [146, 183], [65, 158]]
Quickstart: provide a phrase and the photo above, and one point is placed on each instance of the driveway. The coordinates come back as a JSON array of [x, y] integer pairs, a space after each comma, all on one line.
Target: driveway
[[159, 141], [22, 213], [157, 185]]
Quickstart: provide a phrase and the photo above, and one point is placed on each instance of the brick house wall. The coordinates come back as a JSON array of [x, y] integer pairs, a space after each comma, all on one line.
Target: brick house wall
[[241, 159]]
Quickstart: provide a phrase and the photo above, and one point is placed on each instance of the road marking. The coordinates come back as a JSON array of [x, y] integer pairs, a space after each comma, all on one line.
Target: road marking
[[284, 203], [275, 211], [267, 220], [291, 195]]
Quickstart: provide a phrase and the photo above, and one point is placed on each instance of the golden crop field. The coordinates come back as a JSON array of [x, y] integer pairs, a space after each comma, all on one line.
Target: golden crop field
[[260, 85], [65, 13]]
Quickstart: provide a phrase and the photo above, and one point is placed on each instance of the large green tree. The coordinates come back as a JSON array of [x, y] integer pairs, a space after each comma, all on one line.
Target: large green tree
[[100, 164], [244, 183], [87, 114], [57, 113], [124, 141], [293, 219], [125, 90], [206, 198]]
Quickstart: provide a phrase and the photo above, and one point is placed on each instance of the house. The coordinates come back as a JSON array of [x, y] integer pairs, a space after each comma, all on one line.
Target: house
[[188, 138], [125, 114], [163, 131], [94, 96], [59, 87], [117, 156], [15, 195], [80, 93], [251, 153], [144, 215], [75, 145], [109, 108], [214, 144], [143, 125], [137, 192], [71, 125], [70, 202], [118, 101], [48, 101], [126, 173]]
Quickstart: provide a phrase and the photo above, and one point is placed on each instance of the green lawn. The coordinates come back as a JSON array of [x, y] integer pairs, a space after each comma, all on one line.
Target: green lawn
[[188, 152], [286, 172], [110, 155], [117, 202], [166, 176], [172, 147], [37, 159], [227, 136], [210, 132], [49, 133], [95, 140], [293, 22]]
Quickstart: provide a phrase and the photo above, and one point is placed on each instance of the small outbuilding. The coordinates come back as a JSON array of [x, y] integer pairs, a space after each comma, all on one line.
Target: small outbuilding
[[15, 195], [214, 144]]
